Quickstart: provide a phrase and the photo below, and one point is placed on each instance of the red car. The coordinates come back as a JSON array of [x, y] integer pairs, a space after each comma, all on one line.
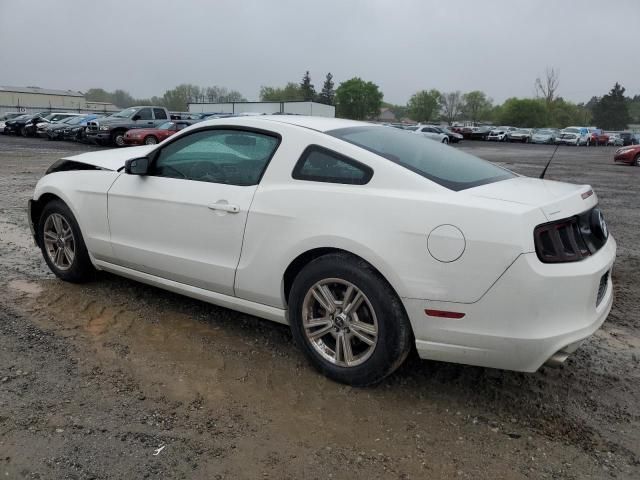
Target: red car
[[629, 155], [151, 136], [598, 137]]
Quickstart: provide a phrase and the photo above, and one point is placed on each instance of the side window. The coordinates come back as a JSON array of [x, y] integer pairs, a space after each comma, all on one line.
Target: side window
[[160, 114], [144, 114], [319, 164], [180, 126], [233, 157]]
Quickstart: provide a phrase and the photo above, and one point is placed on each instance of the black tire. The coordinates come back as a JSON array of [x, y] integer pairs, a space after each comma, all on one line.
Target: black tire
[[395, 337], [117, 138], [445, 141], [23, 131], [150, 140], [81, 269], [636, 161]]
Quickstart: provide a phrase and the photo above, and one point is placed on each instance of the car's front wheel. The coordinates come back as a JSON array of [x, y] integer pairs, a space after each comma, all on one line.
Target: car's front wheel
[[62, 244], [117, 138], [636, 161], [150, 140], [348, 320], [445, 140]]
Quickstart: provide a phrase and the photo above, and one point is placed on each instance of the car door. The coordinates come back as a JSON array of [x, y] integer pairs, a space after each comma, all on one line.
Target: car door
[[144, 118], [185, 219], [159, 116]]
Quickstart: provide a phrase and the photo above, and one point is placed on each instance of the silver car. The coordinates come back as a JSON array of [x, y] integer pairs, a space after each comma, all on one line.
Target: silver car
[[545, 135]]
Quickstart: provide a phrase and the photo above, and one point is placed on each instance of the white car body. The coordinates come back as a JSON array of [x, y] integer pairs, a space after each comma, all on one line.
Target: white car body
[[470, 251], [499, 134], [429, 132], [583, 134]]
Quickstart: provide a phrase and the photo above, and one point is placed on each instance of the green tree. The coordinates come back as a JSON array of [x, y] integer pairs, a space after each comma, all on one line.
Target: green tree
[[424, 105], [451, 106], [523, 112], [307, 88], [358, 99], [476, 106], [217, 94], [561, 113], [98, 95], [327, 95], [612, 111], [290, 92], [178, 98]]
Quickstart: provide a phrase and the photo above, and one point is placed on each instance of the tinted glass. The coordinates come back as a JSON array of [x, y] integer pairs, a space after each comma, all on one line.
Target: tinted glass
[[145, 114], [166, 126], [160, 114], [232, 157], [321, 165], [442, 164]]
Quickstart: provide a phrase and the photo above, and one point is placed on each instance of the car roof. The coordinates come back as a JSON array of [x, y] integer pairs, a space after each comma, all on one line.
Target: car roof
[[320, 124]]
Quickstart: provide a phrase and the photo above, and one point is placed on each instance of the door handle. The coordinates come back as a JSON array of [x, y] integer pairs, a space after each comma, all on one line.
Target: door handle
[[224, 207]]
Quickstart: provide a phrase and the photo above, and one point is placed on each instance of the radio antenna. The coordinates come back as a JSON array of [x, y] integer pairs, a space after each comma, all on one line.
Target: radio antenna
[[549, 162]]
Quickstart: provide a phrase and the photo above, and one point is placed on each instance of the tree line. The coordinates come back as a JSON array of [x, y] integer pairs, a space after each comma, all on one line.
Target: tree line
[[359, 99]]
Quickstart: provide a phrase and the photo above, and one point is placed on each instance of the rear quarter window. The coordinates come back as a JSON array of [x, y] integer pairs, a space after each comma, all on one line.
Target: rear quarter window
[[318, 164]]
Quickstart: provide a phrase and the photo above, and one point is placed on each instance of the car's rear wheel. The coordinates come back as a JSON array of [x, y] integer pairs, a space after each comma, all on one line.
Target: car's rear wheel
[[150, 140], [62, 244], [23, 131], [348, 320]]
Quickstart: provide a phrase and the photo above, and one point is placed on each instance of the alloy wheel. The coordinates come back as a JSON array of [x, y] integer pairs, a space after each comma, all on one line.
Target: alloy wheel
[[59, 242], [339, 322]]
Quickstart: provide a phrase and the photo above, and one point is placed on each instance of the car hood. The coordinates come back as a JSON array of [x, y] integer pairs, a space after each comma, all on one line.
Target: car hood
[[111, 120], [111, 159], [555, 199]]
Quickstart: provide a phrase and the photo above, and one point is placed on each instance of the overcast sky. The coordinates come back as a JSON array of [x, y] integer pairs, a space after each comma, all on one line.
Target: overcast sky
[[146, 47]]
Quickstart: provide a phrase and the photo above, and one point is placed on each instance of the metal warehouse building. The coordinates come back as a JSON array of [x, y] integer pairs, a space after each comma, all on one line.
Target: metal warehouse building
[[35, 99]]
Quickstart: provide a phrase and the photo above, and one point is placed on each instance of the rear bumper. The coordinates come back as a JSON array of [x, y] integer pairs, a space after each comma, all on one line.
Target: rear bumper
[[533, 311]]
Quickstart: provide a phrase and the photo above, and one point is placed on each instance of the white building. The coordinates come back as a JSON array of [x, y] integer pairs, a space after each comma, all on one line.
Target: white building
[[295, 108], [35, 99]]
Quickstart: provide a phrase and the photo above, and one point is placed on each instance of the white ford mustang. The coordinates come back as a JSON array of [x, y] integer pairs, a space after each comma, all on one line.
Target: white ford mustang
[[365, 239]]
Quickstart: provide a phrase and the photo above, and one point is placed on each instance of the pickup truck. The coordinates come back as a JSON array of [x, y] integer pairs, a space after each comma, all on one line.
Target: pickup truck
[[111, 130]]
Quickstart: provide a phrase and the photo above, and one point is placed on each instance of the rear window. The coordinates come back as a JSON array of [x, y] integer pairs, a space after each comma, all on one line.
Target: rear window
[[444, 165]]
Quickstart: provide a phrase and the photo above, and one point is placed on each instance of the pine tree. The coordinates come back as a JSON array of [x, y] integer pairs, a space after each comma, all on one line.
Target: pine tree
[[612, 111], [307, 88], [327, 95]]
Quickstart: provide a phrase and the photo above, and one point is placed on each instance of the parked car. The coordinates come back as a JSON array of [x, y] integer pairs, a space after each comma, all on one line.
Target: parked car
[[598, 137], [31, 127], [43, 128], [569, 139], [8, 116], [616, 140], [522, 135], [151, 136], [111, 130], [545, 135], [499, 134], [495, 269], [582, 133], [17, 124], [629, 155], [75, 129], [477, 133], [454, 137], [432, 133], [629, 138]]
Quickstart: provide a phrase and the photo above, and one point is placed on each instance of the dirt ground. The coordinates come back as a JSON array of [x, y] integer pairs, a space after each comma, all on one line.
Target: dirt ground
[[95, 378]]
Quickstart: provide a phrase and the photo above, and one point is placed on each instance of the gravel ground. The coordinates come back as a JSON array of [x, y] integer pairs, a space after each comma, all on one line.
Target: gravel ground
[[95, 378]]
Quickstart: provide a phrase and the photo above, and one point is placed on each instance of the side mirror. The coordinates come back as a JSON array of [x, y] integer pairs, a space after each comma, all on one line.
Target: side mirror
[[135, 117], [137, 166]]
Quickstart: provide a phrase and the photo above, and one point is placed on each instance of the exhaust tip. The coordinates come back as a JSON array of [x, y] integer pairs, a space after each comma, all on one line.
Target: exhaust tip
[[557, 359]]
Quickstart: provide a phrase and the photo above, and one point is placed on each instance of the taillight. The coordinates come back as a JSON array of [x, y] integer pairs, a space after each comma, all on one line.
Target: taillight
[[560, 241]]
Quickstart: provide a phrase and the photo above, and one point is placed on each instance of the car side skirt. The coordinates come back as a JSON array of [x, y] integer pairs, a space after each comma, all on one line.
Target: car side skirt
[[234, 303]]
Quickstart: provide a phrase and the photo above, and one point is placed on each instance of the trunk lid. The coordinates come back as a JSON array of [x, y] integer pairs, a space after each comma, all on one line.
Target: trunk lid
[[555, 199]]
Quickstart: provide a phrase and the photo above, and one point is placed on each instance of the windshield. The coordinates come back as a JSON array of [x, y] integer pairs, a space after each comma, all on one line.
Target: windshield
[[544, 132], [444, 165], [572, 130], [126, 113], [73, 120], [165, 126]]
